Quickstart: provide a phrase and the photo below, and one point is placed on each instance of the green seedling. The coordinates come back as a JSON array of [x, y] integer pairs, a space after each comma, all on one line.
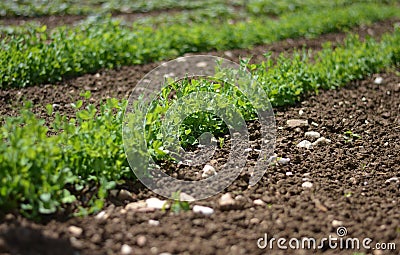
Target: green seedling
[[349, 136]]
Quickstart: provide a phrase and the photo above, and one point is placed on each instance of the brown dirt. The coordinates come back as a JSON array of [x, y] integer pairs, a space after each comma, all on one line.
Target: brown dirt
[[350, 178], [350, 184], [119, 83]]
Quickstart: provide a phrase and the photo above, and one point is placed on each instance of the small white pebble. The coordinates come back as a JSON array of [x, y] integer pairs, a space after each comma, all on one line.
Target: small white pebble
[[208, 171], [289, 173], [304, 144], [321, 141], [126, 249], [258, 202], [301, 112], [284, 161], [312, 135], [393, 179], [378, 80], [75, 231], [307, 184], [201, 64], [141, 240], [154, 222], [203, 210], [337, 223], [155, 203], [102, 215]]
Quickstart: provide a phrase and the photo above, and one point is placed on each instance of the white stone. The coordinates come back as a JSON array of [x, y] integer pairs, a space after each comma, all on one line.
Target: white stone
[[304, 144], [284, 161], [126, 249], [393, 179], [307, 184], [141, 240], [203, 210], [155, 203], [135, 205], [337, 223], [259, 202], [102, 215], [289, 173], [228, 54], [201, 64], [301, 112], [226, 200], [321, 141], [208, 171], [378, 80], [186, 197], [75, 231], [312, 135], [297, 123], [154, 222]]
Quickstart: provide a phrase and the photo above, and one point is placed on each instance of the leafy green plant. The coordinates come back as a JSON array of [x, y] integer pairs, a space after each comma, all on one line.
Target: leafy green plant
[[178, 206], [84, 157], [42, 174], [44, 57], [349, 136]]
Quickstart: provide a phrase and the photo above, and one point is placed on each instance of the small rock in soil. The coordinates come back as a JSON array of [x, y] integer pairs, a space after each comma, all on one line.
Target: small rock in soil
[[259, 202], [337, 223], [307, 184], [312, 135], [201, 64], [273, 158], [208, 171], [321, 141], [226, 201], [102, 215], [135, 205], [289, 173], [125, 195], [378, 80], [155, 203], [304, 144], [254, 221], [186, 197], [284, 161], [141, 240], [154, 222], [126, 249], [229, 54], [203, 210], [75, 231], [294, 123], [393, 179]]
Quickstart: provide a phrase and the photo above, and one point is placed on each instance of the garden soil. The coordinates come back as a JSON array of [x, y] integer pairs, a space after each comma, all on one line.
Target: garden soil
[[352, 182]]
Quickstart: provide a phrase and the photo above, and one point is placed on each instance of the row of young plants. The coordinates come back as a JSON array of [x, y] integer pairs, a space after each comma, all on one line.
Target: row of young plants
[[84, 156], [40, 57], [35, 8], [9, 8], [279, 7]]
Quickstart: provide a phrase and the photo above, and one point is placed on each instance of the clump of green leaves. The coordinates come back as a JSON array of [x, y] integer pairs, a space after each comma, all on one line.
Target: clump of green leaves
[[349, 136], [178, 206], [41, 173], [40, 57]]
